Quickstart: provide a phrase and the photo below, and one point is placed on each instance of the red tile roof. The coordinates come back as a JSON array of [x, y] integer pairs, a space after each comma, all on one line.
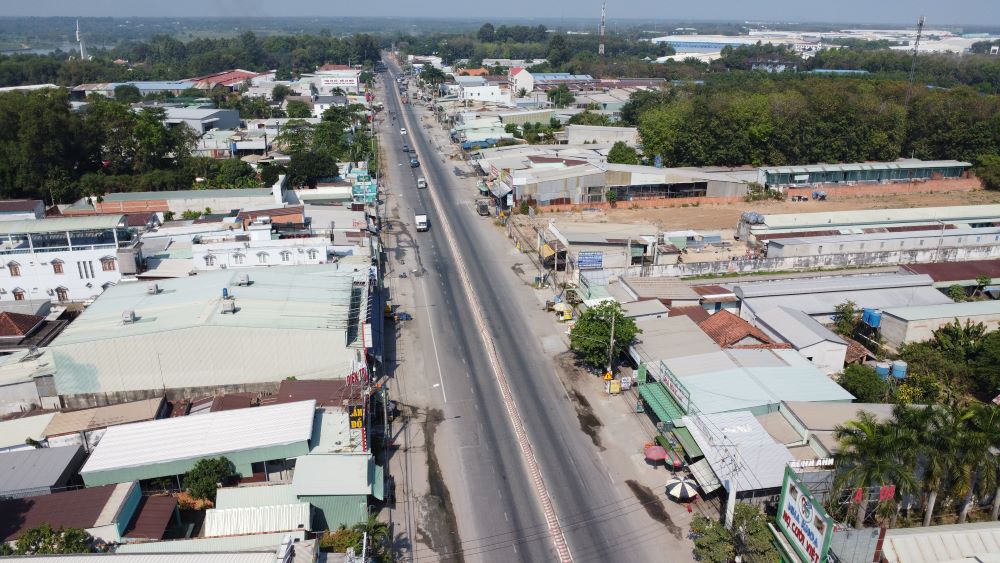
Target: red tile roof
[[334, 67], [727, 329], [70, 509], [17, 324], [856, 352], [695, 313], [275, 212], [152, 518], [227, 78], [326, 392]]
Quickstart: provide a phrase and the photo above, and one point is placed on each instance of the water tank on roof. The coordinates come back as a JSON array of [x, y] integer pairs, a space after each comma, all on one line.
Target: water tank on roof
[[899, 369], [882, 369]]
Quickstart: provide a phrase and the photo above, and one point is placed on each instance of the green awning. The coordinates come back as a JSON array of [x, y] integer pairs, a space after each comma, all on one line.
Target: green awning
[[686, 440], [658, 398]]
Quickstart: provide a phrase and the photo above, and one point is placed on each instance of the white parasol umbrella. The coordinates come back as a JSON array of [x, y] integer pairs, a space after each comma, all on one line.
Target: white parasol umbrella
[[682, 489]]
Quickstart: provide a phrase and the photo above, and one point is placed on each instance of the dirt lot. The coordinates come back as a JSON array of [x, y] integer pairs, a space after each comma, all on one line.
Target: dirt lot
[[726, 216]]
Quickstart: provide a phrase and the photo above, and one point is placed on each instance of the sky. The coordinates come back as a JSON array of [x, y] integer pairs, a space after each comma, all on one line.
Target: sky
[[974, 12]]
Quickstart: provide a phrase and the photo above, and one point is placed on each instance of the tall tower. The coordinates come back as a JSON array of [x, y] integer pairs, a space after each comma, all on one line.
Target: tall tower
[[79, 39], [600, 46]]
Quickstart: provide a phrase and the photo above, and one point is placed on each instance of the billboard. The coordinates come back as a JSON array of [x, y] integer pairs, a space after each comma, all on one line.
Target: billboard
[[590, 260], [803, 520]]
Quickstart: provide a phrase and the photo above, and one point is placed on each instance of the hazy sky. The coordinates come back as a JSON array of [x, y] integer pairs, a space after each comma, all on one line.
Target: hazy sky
[[981, 12]]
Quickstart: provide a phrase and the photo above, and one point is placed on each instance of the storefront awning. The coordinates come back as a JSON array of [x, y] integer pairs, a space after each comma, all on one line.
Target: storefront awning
[[664, 406], [547, 251], [703, 474], [687, 441]]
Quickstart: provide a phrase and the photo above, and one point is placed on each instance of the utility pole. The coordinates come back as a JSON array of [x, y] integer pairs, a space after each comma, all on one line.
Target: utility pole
[[611, 344], [600, 46]]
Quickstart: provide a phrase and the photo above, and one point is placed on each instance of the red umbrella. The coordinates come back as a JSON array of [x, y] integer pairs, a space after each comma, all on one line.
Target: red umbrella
[[656, 453]]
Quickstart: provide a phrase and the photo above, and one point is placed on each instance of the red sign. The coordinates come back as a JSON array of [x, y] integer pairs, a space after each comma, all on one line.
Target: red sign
[[359, 376]]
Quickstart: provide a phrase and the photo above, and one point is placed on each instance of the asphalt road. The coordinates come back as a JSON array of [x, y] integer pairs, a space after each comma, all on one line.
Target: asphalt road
[[491, 486]]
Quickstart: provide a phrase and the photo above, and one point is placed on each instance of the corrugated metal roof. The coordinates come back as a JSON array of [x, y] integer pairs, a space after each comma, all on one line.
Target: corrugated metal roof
[[761, 461], [952, 542], [256, 520], [255, 495], [799, 286], [207, 435], [103, 417], [867, 166], [189, 194], [930, 231], [71, 509], [670, 337], [61, 224], [944, 310], [14, 432], [332, 474], [833, 219], [35, 471], [251, 542], [238, 557], [797, 328]]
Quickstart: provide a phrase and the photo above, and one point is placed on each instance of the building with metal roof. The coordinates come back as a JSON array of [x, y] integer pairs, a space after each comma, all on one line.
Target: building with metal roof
[[220, 328], [14, 432], [257, 519], [861, 172], [33, 472], [86, 426], [904, 325], [930, 243], [267, 556], [172, 446], [180, 201], [820, 296], [977, 542], [25, 378], [815, 342]]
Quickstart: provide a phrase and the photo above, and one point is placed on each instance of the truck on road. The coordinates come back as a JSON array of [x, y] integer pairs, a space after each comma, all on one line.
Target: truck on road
[[483, 206], [422, 223]]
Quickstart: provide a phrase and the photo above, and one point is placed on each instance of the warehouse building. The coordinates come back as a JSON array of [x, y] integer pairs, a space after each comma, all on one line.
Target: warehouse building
[[907, 170], [965, 273], [217, 331], [905, 325], [755, 226], [258, 441], [41, 471], [179, 201], [896, 244], [815, 342]]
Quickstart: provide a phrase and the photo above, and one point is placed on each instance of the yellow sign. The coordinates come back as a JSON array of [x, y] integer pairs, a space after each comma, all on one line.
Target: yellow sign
[[608, 376], [357, 416]]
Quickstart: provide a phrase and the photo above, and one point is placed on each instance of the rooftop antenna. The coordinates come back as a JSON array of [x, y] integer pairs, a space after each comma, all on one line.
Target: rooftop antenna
[[913, 62], [600, 46], [79, 39]]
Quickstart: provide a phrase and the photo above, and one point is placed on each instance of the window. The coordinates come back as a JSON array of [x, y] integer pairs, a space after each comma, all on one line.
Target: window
[[262, 258], [14, 268], [312, 253], [62, 294], [209, 260], [108, 264], [57, 267], [286, 256], [18, 294], [238, 258]]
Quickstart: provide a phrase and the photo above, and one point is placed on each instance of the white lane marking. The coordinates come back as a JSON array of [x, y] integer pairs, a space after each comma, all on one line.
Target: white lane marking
[[437, 358]]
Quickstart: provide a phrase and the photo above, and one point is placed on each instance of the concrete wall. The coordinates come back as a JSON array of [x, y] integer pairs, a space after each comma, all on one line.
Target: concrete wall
[[932, 239], [897, 332], [827, 356], [88, 400], [579, 134], [835, 192]]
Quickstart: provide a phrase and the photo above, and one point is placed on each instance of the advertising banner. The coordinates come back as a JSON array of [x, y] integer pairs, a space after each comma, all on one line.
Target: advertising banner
[[803, 520]]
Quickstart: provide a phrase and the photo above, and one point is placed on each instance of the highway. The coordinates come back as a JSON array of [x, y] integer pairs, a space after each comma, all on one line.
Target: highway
[[499, 516]]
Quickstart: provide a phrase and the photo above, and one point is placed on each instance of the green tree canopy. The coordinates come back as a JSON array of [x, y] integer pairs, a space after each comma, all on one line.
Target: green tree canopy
[[203, 479], [560, 96], [297, 109], [127, 94], [846, 318], [432, 75], [279, 92], [862, 382], [307, 168], [621, 153], [587, 117], [591, 335], [234, 173], [45, 540], [988, 170], [749, 538]]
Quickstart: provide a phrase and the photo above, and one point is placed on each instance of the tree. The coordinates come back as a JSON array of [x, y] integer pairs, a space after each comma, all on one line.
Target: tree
[[203, 479], [747, 540], [587, 117], [611, 196], [621, 153], [982, 280], [846, 318], [486, 33], [378, 537], [559, 52], [307, 168], [341, 539], [591, 336], [432, 75], [522, 93], [269, 173], [234, 173], [297, 109], [44, 540], [560, 96], [957, 293], [127, 94], [279, 92], [862, 382], [988, 171], [985, 372]]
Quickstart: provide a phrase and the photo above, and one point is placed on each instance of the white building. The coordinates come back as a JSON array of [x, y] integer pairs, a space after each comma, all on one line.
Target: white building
[[239, 249], [65, 258], [327, 79], [203, 119], [322, 103], [818, 344], [519, 79], [488, 93]]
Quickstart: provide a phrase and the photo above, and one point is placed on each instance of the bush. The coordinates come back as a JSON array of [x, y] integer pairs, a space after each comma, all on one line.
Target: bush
[[204, 478], [340, 540], [864, 384]]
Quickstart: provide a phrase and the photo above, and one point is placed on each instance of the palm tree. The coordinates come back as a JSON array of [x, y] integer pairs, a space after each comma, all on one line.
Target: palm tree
[[872, 454], [981, 463], [937, 448], [378, 535]]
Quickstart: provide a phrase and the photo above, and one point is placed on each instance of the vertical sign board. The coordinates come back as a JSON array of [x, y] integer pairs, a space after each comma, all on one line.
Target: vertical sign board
[[676, 388], [803, 521]]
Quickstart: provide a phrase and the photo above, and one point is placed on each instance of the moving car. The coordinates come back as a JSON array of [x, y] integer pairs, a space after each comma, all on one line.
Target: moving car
[[402, 130], [406, 148], [422, 223], [421, 183], [414, 163]]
